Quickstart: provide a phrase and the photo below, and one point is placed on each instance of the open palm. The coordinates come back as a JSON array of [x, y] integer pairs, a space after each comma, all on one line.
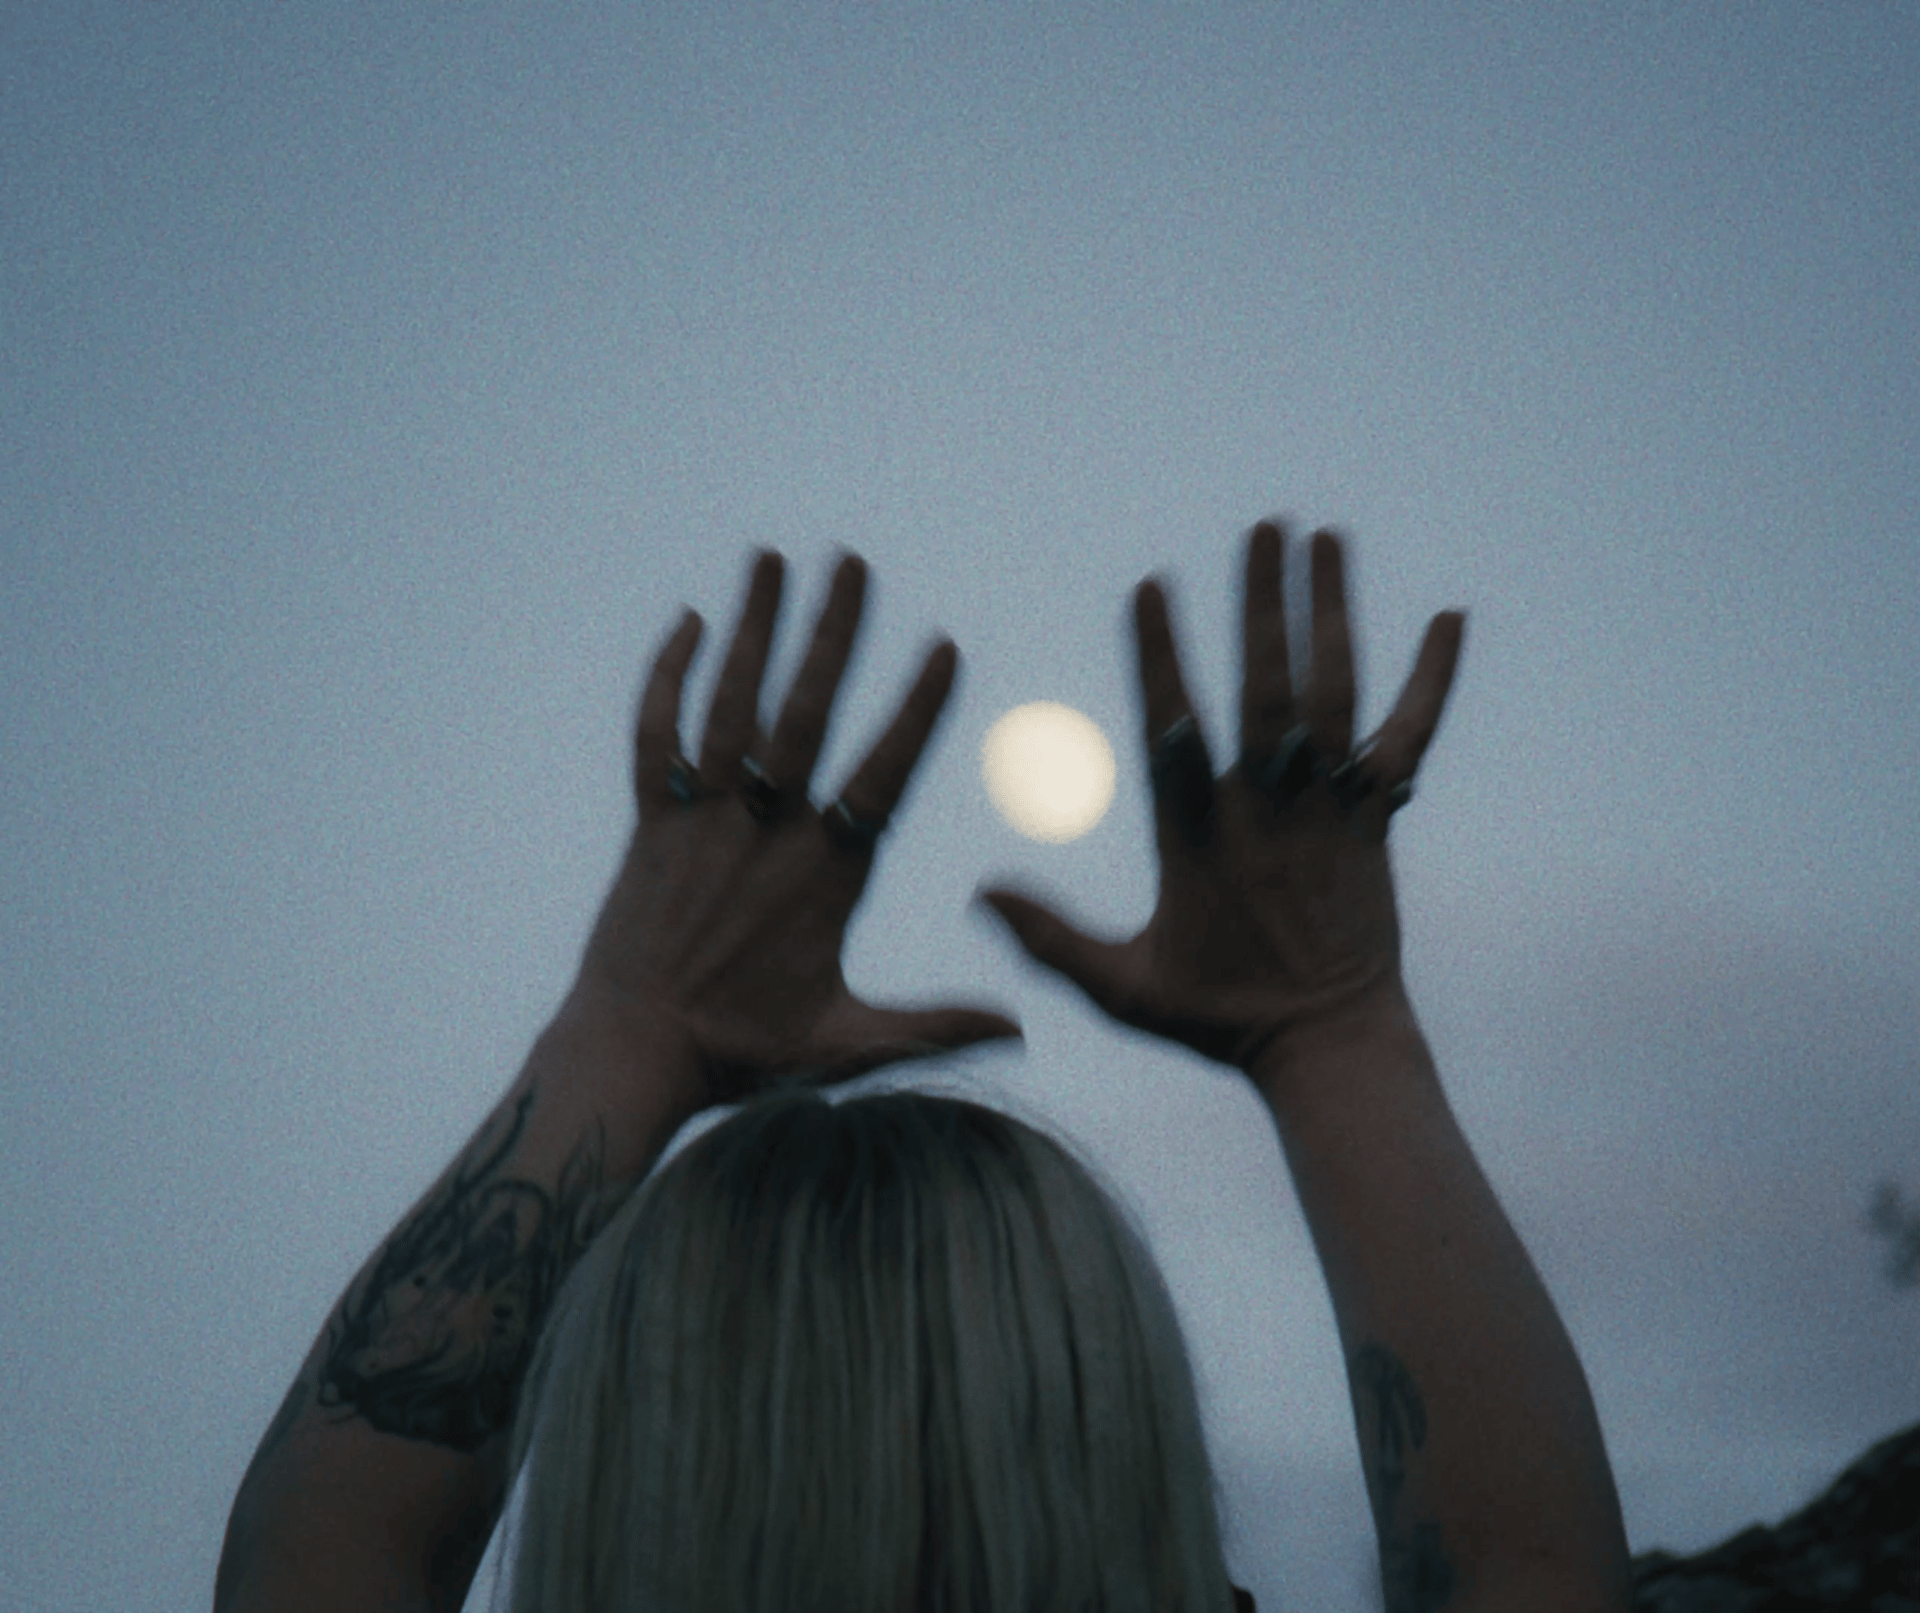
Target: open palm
[[1276, 904], [725, 926]]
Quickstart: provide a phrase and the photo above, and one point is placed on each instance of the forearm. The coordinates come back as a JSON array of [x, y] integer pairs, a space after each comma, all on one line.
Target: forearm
[[388, 1458], [1484, 1459]]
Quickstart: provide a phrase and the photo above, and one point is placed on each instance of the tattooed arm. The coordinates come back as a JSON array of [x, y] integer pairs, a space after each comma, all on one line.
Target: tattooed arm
[[1484, 1460], [713, 970], [381, 1478]]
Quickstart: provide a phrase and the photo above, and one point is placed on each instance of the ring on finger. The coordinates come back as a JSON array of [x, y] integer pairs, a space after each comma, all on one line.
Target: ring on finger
[[1176, 745], [851, 832], [762, 794], [1293, 765], [1182, 778], [1351, 787], [1290, 769], [683, 780]]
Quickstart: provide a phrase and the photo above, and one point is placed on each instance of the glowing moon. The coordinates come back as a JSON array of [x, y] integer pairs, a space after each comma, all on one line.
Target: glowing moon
[[1049, 770]]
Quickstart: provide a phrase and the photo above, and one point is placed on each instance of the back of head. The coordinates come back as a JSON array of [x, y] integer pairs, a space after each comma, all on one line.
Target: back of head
[[898, 1354]]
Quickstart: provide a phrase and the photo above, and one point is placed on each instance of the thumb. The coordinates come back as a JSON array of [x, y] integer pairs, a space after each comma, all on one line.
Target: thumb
[[870, 1037], [1092, 965]]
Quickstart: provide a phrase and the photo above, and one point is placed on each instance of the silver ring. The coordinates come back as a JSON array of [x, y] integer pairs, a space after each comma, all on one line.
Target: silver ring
[[1179, 734], [683, 781], [1291, 767], [1350, 785], [763, 795], [1183, 779], [851, 832], [1294, 764]]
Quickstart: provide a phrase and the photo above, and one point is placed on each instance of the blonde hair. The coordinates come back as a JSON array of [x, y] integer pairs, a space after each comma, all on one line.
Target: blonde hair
[[897, 1354]]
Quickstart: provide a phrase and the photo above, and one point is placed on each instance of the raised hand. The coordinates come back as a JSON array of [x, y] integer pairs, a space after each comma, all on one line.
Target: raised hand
[[1276, 907], [724, 928]]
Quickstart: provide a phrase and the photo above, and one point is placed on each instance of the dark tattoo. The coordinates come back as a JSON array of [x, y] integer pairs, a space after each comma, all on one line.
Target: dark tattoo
[[433, 1341], [1415, 1574]]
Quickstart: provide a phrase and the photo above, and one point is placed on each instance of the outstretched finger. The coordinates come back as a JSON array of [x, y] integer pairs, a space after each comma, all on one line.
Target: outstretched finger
[[656, 736], [867, 1038], [1177, 757], [1266, 683], [876, 787], [802, 728], [732, 722], [1403, 738], [1091, 964], [1329, 697]]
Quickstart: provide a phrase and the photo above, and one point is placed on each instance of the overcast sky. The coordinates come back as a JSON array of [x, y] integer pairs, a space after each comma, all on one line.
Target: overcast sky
[[377, 383]]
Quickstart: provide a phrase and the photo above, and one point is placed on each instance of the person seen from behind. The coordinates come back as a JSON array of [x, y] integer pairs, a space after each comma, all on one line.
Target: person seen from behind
[[901, 1353]]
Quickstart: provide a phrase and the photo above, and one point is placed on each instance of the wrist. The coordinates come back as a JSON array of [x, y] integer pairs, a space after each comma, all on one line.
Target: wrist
[[1353, 1031], [621, 1043]]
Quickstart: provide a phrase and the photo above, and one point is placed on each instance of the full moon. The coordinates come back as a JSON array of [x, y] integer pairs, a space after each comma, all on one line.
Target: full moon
[[1049, 770]]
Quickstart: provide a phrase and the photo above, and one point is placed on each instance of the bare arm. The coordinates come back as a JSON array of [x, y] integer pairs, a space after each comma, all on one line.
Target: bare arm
[[1275, 947], [1483, 1456], [384, 1472], [714, 969]]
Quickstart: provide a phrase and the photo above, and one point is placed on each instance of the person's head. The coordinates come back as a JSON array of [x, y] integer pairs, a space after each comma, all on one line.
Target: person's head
[[897, 1354]]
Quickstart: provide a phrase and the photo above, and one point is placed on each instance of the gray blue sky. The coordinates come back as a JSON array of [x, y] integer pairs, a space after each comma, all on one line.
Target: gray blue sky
[[376, 383]]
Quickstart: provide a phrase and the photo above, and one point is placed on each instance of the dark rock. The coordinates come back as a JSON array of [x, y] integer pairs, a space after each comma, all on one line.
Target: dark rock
[[1708, 1593], [1855, 1549]]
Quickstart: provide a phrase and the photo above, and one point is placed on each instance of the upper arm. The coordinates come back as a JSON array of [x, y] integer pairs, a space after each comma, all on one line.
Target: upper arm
[[315, 1573], [1536, 1589], [338, 1564], [354, 1520], [1555, 1597]]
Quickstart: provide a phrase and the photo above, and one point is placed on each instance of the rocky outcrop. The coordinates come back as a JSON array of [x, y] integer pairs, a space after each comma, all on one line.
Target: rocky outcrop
[[1856, 1548]]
